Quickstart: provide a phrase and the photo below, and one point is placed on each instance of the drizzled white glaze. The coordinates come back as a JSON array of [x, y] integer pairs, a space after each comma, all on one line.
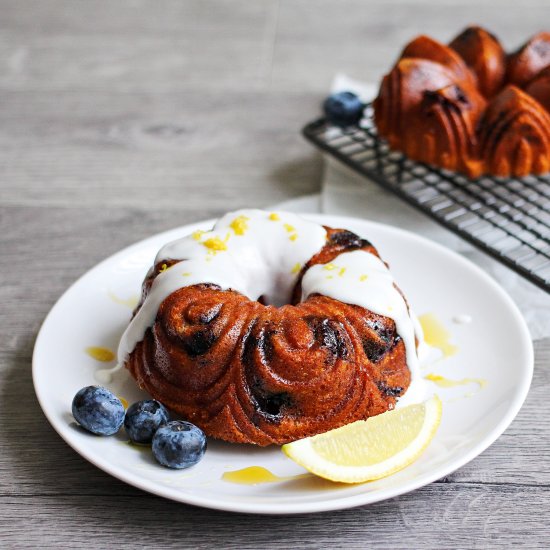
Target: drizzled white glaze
[[265, 260], [105, 376], [258, 253], [362, 279]]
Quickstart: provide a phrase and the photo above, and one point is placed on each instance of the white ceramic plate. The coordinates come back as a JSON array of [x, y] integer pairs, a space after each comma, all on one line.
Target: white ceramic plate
[[495, 346]]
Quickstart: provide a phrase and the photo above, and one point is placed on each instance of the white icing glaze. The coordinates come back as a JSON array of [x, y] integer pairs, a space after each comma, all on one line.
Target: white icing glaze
[[104, 376], [264, 261], [258, 253], [362, 279], [416, 392]]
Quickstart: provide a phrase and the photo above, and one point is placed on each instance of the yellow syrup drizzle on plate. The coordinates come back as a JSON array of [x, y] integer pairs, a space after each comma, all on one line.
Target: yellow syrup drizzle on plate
[[254, 475], [436, 335], [443, 382], [130, 302], [100, 354]]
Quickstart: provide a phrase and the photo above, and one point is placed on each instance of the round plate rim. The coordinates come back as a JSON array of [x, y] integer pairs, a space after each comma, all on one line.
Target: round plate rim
[[288, 508]]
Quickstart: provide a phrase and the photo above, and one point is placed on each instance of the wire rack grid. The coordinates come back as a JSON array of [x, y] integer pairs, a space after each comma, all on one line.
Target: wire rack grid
[[507, 218]]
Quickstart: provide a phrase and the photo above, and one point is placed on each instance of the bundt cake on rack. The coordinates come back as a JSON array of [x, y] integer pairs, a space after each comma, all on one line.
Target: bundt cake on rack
[[468, 107], [271, 328]]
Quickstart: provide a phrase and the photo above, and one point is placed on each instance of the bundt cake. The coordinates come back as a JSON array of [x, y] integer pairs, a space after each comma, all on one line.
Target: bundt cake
[[469, 108], [484, 55], [270, 328]]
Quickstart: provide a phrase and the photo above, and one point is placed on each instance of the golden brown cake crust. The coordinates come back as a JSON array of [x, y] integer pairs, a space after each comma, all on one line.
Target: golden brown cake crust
[[249, 373], [483, 53], [444, 112], [424, 47], [516, 134], [539, 88], [529, 60]]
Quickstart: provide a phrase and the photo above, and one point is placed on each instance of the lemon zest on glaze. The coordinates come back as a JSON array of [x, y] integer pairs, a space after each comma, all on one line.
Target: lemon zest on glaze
[[329, 267], [163, 268], [296, 268], [274, 217], [215, 244], [363, 278], [293, 237], [187, 274], [197, 235], [240, 225], [341, 272], [289, 228]]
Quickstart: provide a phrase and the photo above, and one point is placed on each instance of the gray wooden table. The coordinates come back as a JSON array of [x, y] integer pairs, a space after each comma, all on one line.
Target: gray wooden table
[[122, 119]]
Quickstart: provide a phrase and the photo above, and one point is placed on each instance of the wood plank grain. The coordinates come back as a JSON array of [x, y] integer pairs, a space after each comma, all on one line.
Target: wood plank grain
[[363, 39], [172, 151], [466, 516], [134, 46]]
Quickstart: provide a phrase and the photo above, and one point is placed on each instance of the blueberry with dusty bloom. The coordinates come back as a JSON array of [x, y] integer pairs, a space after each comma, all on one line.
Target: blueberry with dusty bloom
[[143, 419], [343, 108], [179, 444], [98, 410]]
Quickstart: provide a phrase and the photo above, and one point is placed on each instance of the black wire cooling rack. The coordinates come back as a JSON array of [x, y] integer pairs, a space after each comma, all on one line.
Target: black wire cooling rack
[[508, 219]]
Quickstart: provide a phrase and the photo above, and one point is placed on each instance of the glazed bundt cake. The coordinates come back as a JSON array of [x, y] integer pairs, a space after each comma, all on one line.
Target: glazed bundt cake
[[468, 107], [271, 328]]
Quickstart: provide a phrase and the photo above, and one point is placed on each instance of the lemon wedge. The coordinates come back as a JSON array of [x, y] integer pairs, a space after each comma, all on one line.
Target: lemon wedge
[[369, 449]]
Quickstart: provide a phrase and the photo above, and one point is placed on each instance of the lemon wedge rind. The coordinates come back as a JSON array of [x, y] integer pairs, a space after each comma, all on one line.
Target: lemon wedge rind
[[378, 431]]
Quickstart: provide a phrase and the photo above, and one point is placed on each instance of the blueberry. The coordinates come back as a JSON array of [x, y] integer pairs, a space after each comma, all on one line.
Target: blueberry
[[343, 108], [143, 419], [179, 444], [98, 410]]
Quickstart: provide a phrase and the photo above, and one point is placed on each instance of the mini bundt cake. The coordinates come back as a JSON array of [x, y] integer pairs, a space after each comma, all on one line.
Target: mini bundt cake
[[424, 47], [484, 55], [467, 107], [515, 134], [441, 122], [271, 328]]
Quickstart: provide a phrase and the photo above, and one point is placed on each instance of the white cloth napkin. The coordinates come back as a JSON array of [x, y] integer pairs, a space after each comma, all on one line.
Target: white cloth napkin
[[346, 193]]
